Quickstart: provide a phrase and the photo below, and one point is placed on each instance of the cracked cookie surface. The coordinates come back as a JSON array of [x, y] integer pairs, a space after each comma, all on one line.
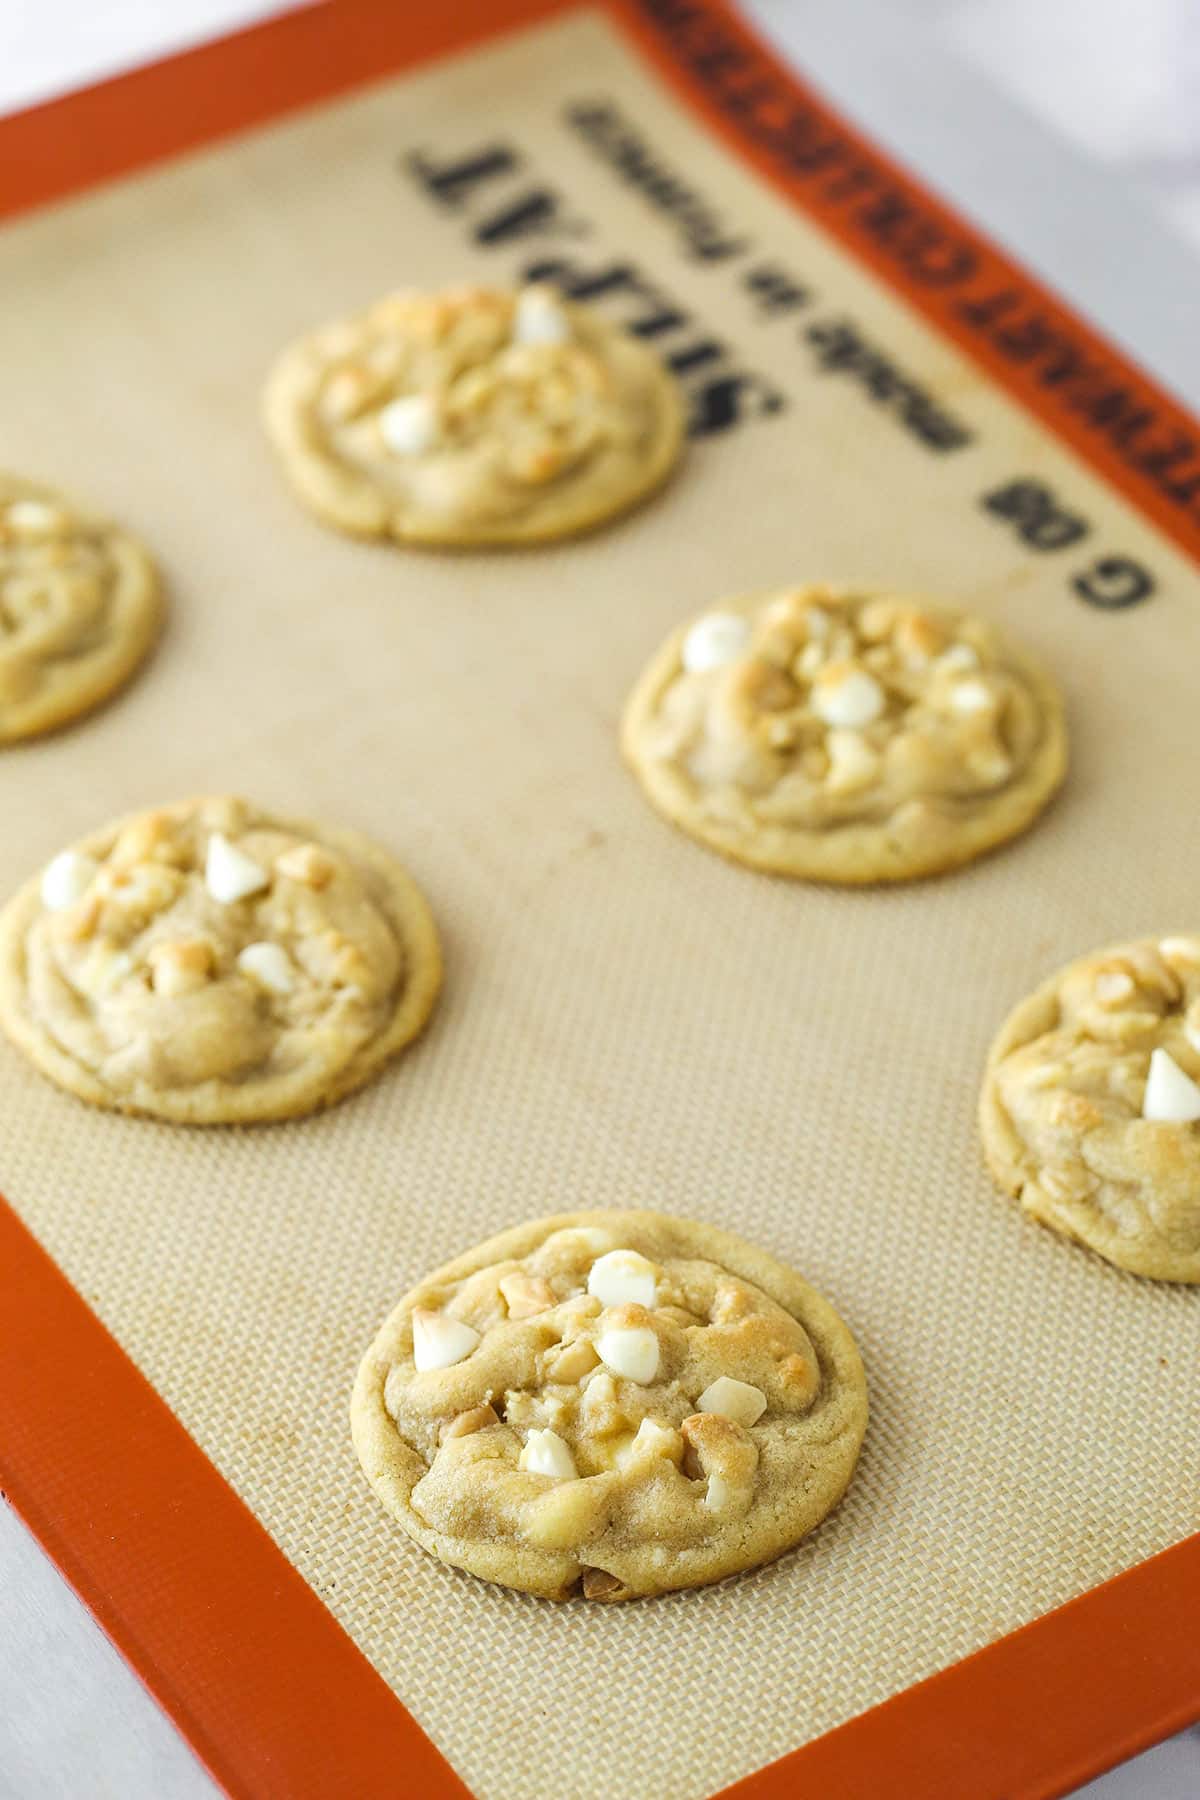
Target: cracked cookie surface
[[845, 736], [472, 417], [210, 963], [80, 607], [1090, 1110], [620, 1403]]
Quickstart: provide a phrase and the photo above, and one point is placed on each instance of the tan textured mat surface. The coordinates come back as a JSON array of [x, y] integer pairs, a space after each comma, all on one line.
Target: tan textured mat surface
[[626, 1019]]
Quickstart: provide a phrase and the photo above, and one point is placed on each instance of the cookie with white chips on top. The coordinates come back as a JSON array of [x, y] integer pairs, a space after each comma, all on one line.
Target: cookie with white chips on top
[[473, 417], [614, 1404], [1090, 1110], [80, 607], [845, 736], [210, 963]]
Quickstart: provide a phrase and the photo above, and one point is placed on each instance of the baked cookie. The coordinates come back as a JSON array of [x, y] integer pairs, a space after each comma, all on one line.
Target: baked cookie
[[473, 417], [845, 736], [615, 1402], [212, 964], [80, 606], [1090, 1110]]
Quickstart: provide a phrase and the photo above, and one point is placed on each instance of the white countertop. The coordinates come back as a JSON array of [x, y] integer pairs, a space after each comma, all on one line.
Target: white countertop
[[1065, 128]]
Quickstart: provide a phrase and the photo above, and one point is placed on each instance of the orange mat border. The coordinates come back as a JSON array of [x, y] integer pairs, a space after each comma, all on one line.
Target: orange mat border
[[272, 1694]]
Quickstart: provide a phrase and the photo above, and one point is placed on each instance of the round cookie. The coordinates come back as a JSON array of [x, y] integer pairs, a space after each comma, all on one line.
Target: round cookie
[[473, 417], [845, 736], [616, 1403], [1090, 1110], [80, 606], [212, 964]]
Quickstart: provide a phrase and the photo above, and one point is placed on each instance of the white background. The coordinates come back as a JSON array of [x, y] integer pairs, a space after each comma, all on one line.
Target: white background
[[1069, 129]]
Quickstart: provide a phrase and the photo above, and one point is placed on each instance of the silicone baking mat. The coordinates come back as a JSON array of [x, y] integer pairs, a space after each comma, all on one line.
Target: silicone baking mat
[[627, 1019]]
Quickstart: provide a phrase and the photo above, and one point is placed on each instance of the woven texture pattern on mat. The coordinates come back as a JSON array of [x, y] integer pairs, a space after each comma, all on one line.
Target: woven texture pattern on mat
[[627, 1019]]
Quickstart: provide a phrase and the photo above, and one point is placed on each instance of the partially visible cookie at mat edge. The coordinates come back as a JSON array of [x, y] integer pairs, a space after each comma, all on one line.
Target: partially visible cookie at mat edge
[[1090, 1110], [845, 736], [612, 1403], [210, 963], [80, 607], [472, 417]]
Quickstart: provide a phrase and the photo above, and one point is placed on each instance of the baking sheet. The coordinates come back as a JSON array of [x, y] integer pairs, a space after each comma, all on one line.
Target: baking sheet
[[626, 1017]]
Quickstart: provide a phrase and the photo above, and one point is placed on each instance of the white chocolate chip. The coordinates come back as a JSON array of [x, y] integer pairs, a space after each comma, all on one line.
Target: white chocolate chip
[[713, 641], [539, 318], [229, 874], [545, 1453], [66, 878], [409, 426], [623, 1277], [629, 1350], [439, 1341], [1113, 986], [733, 1399], [33, 517], [1180, 949], [1170, 1094], [958, 656], [971, 697], [849, 697], [269, 965], [810, 659], [817, 622], [718, 1493], [852, 762]]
